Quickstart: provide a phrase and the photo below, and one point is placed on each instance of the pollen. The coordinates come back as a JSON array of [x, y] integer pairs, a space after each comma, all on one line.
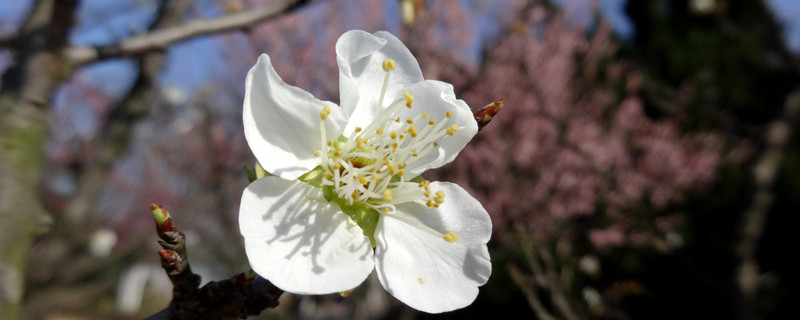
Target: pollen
[[329, 143], [439, 199], [379, 131], [409, 99], [393, 135], [449, 114], [450, 237], [324, 113], [358, 129], [389, 64], [316, 153], [410, 121], [431, 122], [412, 130], [387, 195], [424, 116], [452, 130]]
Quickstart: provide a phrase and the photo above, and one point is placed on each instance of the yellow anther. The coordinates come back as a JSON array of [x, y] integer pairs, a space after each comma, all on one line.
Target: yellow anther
[[329, 143], [326, 174], [412, 130], [400, 173], [427, 194], [401, 137], [391, 167], [361, 179], [410, 121], [384, 161], [379, 131], [358, 129], [409, 99], [452, 129], [337, 154], [360, 142], [414, 154], [449, 114], [385, 210], [373, 178], [354, 195], [429, 204], [324, 113], [424, 116], [337, 166], [431, 122], [439, 197], [450, 237], [435, 144], [316, 153], [397, 119], [394, 147], [387, 195], [393, 135], [401, 166], [389, 64]]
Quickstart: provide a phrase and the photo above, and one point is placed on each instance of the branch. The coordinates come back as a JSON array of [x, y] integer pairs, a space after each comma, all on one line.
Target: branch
[[765, 173], [242, 295], [160, 40]]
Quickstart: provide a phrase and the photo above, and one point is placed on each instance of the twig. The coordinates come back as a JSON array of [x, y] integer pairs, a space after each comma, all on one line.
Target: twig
[[160, 40], [764, 173], [242, 295]]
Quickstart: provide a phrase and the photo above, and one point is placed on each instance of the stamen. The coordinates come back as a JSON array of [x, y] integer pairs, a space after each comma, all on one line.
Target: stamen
[[449, 114], [324, 113], [389, 64], [409, 99], [387, 195], [450, 237]]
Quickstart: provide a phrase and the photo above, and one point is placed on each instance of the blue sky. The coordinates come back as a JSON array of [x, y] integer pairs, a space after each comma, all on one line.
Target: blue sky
[[187, 70]]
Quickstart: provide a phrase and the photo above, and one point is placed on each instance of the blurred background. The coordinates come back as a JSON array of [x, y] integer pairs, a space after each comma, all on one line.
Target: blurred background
[[646, 164]]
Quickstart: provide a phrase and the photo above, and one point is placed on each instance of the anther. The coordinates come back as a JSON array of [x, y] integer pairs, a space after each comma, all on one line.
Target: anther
[[324, 113], [412, 130], [358, 129], [316, 153], [387, 195], [389, 64], [409, 99], [449, 114], [379, 131], [450, 237], [452, 129]]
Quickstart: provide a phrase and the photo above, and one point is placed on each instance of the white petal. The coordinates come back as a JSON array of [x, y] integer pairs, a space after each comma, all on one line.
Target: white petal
[[436, 98], [281, 122], [299, 241], [426, 272], [360, 56]]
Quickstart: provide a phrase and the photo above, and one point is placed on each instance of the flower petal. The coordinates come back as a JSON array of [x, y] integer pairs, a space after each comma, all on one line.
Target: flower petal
[[281, 122], [299, 241], [426, 272], [360, 56], [436, 98]]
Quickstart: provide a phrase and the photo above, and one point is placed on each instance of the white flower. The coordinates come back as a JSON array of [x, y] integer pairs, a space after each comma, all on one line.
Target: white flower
[[346, 195]]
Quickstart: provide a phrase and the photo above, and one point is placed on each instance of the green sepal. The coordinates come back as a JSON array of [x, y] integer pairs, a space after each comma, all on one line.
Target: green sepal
[[364, 216], [313, 177], [251, 174], [260, 172], [417, 179]]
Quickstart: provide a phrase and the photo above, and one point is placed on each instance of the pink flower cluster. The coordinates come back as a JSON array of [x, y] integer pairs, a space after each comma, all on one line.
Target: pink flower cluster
[[573, 139]]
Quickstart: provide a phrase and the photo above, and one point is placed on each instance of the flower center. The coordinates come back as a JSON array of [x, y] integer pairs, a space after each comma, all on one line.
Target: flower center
[[364, 173]]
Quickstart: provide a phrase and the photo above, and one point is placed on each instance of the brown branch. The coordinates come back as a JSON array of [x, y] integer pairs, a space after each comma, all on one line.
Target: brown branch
[[242, 295], [160, 40]]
